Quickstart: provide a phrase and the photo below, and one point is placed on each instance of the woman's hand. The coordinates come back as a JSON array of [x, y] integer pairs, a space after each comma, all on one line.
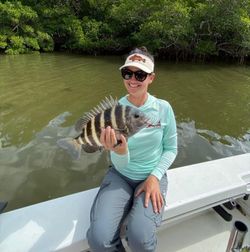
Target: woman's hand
[[152, 191], [109, 141]]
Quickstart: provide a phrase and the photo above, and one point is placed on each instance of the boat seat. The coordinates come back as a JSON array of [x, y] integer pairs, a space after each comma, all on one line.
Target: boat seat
[[201, 186]]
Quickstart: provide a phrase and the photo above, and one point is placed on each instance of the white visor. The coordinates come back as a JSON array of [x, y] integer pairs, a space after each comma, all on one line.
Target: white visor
[[140, 61]]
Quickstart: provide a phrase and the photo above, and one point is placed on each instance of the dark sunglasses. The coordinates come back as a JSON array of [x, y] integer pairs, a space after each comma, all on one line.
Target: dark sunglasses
[[139, 75]]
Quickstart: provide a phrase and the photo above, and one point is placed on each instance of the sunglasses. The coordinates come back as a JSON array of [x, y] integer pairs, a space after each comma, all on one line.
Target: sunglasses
[[139, 75]]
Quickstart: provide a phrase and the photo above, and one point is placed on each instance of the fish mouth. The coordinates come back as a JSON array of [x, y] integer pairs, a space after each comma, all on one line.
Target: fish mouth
[[157, 125], [148, 122]]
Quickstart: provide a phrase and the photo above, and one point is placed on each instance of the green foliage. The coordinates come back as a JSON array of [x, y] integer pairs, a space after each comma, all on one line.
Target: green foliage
[[63, 27], [205, 47], [16, 45], [245, 249], [224, 24], [19, 30], [32, 43], [15, 14], [169, 28], [98, 35], [127, 19], [45, 41], [3, 41]]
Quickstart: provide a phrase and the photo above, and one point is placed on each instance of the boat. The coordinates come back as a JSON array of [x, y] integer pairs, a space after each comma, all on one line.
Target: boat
[[206, 204]]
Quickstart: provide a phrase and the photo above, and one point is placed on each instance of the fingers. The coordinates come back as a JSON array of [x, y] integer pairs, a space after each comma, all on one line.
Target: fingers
[[123, 140], [156, 199], [154, 203], [109, 141], [108, 138], [152, 193], [102, 138], [157, 202], [139, 191], [113, 140], [147, 197]]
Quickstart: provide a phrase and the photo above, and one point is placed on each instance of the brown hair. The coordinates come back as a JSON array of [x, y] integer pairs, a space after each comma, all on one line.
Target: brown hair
[[142, 50]]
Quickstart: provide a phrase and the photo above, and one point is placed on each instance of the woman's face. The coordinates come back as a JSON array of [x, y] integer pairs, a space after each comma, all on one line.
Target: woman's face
[[135, 87]]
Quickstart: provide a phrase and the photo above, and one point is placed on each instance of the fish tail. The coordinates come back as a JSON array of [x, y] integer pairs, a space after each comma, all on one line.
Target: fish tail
[[71, 146]]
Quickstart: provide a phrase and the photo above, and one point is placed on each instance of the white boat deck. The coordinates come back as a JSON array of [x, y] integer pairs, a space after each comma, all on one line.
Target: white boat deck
[[203, 232], [189, 223]]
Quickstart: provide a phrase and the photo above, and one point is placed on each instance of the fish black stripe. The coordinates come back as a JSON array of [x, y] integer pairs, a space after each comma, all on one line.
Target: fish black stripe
[[127, 110], [92, 140], [89, 133], [98, 125], [94, 135], [119, 118], [107, 117], [113, 118], [82, 135]]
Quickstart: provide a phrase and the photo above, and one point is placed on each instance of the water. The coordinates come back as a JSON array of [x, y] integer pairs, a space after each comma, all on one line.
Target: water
[[41, 96]]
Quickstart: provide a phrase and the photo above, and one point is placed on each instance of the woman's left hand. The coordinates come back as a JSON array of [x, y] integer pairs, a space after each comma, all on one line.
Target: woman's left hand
[[152, 191]]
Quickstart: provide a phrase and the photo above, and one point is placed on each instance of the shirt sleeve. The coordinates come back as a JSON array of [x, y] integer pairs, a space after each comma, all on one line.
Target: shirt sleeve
[[169, 145], [120, 161]]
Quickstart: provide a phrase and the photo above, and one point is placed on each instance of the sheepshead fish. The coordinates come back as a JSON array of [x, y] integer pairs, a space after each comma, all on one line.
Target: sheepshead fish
[[124, 120]]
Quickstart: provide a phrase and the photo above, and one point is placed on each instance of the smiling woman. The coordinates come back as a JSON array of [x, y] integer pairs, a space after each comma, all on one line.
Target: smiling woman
[[135, 185]]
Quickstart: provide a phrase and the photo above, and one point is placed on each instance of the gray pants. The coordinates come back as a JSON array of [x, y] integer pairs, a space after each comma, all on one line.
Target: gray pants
[[114, 202]]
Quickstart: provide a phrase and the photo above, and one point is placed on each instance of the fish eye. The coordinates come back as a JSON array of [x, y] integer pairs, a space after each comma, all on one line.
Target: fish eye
[[136, 115]]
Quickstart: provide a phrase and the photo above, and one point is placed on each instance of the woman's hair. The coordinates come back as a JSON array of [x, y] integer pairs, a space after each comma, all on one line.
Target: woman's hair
[[142, 50]]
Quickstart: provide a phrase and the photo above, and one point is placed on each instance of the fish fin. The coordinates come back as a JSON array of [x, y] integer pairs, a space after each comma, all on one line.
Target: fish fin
[[82, 122], [103, 105], [90, 149], [72, 147]]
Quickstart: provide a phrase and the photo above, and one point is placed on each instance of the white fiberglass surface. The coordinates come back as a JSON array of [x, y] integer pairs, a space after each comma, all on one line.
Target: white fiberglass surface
[[204, 232]]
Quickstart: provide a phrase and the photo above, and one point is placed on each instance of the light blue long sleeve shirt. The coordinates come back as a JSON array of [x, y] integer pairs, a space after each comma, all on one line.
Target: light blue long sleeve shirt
[[152, 150]]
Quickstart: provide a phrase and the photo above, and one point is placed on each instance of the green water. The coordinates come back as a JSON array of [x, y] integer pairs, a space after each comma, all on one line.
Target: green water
[[41, 96]]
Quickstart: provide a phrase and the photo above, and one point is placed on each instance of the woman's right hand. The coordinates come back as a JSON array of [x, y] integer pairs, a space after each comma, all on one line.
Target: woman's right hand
[[109, 141]]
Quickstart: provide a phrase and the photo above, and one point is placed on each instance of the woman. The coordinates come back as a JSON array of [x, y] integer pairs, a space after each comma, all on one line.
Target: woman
[[135, 185]]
